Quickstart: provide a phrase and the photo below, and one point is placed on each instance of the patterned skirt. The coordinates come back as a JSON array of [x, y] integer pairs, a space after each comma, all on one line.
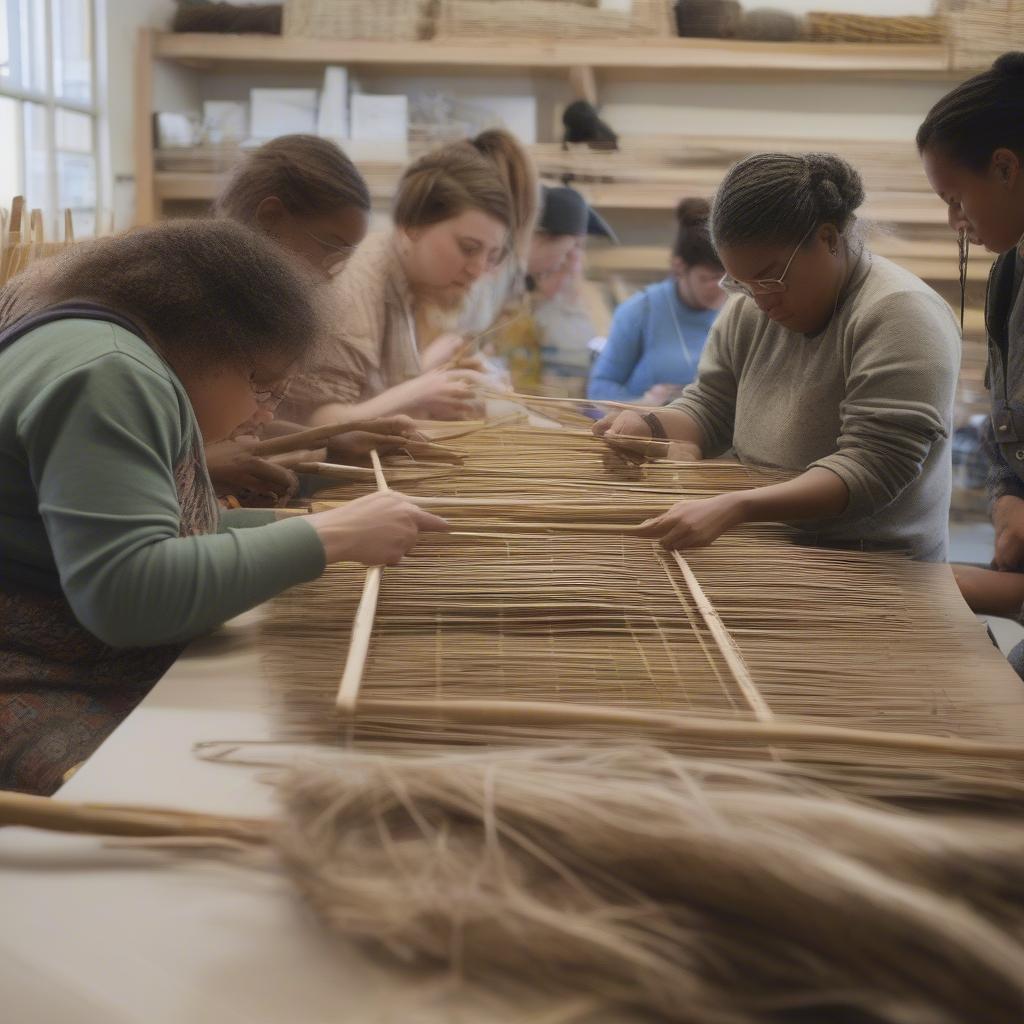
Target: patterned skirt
[[62, 691]]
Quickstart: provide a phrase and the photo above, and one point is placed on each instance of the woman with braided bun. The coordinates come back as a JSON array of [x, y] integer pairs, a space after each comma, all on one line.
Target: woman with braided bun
[[829, 363]]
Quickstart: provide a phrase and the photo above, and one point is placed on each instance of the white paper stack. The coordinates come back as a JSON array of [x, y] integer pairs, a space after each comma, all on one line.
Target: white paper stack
[[380, 128], [332, 122], [282, 112]]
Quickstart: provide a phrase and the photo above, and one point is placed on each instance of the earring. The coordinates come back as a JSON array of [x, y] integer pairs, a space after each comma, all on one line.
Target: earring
[[834, 252]]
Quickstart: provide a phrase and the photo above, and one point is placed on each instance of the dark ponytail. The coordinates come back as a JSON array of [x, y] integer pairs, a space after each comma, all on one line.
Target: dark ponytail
[[693, 240], [979, 116]]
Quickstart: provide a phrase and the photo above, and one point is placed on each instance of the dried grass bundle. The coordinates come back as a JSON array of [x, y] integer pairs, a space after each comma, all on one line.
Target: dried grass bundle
[[703, 892]]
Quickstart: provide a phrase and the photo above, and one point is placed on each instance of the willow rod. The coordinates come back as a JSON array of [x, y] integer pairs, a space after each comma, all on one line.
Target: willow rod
[[308, 438], [515, 396], [338, 471], [769, 733], [726, 644], [20, 809], [311, 440], [362, 625]]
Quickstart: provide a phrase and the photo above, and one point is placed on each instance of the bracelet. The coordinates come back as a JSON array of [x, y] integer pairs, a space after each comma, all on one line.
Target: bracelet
[[657, 429]]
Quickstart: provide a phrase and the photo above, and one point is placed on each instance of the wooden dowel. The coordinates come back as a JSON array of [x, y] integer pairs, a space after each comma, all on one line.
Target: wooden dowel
[[772, 732], [515, 396], [378, 471], [20, 809], [336, 471], [726, 644], [362, 625], [309, 438]]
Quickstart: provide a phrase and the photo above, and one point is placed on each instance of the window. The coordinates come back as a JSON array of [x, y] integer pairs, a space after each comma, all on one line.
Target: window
[[48, 114]]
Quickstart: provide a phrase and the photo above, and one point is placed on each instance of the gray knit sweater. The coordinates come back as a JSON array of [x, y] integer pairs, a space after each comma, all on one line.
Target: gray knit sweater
[[870, 398]]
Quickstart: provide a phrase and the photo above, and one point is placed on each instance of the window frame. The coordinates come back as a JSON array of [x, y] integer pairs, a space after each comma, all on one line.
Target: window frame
[[51, 103]]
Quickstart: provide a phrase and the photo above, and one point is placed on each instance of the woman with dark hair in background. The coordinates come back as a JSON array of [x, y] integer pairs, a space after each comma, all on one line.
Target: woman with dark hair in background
[[833, 364], [657, 336], [972, 148], [122, 360]]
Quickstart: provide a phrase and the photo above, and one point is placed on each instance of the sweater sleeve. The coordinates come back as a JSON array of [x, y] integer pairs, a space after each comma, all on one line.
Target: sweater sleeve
[[1000, 481], [711, 398], [617, 362], [102, 443], [898, 401]]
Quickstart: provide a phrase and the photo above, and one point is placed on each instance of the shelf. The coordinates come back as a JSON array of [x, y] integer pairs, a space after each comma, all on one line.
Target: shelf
[[911, 209], [931, 261], [676, 55]]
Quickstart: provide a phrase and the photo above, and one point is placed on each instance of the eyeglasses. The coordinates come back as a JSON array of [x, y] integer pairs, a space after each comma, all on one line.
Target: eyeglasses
[[764, 286], [269, 398], [336, 255]]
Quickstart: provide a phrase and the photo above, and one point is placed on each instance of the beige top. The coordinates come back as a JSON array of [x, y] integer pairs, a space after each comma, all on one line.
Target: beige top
[[372, 346], [870, 398]]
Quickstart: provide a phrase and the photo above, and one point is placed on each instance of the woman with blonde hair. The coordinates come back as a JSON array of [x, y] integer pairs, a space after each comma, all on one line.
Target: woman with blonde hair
[[454, 220]]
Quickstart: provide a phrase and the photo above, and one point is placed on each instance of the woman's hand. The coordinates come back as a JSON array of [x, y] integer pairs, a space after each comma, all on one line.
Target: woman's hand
[[626, 423], [234, 469], [442, 350], [630, 437], [441, 395], [695, 524], [387, 434], [377, 529]]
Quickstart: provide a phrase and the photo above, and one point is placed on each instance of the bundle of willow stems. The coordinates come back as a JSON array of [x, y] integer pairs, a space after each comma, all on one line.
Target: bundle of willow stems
[[528, 637], [543, 614], [704, 891]]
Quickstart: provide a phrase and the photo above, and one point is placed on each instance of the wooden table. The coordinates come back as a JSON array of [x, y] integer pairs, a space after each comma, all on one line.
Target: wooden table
[[94, 934]]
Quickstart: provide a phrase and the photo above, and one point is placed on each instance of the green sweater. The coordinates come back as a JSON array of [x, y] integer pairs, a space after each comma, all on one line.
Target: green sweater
[[93, 424]]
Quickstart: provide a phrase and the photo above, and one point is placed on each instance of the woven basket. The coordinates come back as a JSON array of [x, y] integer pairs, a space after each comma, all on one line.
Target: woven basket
[[557, 19], [825, 27], [391, 20], [980, 30]]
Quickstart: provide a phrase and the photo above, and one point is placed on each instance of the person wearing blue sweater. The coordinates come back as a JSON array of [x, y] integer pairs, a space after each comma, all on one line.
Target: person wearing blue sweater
[[657, 335]]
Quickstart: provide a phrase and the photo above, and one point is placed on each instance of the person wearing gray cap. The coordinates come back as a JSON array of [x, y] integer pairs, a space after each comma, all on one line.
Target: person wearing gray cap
[[540, 290]]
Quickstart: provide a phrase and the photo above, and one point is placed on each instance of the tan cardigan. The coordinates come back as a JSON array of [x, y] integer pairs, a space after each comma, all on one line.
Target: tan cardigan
[[372, 346]]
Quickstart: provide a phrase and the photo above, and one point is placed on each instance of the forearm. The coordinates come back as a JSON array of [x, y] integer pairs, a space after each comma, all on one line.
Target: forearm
[[335, 412], [681, 426], [172, 590], [988, 592], [816, 494]]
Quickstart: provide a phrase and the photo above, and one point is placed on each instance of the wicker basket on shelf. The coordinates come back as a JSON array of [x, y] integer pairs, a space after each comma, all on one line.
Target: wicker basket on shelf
[[826, 27], [980, 30], [554, 19], [382, 20]]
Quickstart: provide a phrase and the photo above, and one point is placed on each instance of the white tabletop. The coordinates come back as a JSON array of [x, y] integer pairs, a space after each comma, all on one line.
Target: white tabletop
[[94, 933]]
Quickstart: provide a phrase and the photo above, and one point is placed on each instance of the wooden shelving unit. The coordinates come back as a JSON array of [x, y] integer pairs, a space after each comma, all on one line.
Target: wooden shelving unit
[[583, 64], [674, 55]]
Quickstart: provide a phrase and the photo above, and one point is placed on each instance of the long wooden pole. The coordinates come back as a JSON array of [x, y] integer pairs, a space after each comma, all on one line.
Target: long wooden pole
[[772, 732], [20, 809], [362, 626], [726, 644]]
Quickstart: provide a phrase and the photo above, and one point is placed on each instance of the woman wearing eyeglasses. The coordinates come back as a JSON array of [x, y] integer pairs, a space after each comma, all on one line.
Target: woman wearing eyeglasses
[[307, 195], [831, 363], [454, 216], [128, 355]]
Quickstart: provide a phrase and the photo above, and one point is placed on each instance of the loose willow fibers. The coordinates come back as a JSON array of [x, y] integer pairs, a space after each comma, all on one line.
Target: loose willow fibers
[[705, 892], [701, 891]]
